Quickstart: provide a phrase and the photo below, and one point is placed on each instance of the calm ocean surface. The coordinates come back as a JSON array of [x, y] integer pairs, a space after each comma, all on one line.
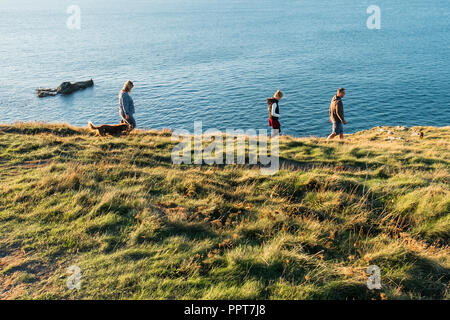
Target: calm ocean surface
[[217, 61]]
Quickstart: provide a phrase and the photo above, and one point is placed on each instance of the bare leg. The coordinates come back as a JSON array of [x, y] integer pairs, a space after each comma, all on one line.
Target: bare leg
[[331, 136], [341, 136]]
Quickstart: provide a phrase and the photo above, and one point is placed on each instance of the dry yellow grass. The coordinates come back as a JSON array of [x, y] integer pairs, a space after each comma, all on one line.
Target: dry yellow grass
[[140, 227]]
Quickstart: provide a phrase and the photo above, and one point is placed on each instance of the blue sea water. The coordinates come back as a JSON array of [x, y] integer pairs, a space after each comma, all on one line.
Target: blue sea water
[[217, 61]]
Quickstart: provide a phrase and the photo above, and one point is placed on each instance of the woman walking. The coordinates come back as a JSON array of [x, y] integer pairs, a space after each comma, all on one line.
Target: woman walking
[[126, 105]]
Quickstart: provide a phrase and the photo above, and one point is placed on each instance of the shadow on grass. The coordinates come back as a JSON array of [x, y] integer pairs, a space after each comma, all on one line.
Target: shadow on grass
[[342, 290], [191, 231], [32, 130], [416, 275]]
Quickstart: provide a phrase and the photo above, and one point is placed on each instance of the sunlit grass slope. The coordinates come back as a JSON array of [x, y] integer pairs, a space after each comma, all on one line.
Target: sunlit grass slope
[[140, 227]]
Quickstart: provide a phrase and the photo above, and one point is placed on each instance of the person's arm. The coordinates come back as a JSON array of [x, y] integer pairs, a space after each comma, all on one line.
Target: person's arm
[[126, 104], [274, 113], [340, 112], [121, 104]]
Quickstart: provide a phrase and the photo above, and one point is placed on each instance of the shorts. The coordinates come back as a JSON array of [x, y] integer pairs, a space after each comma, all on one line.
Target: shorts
[[338, 128], [274, 123]]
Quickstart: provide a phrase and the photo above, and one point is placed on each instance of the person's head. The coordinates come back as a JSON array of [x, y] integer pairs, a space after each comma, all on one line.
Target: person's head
[[128, 86], [278, 95], [341, 92]]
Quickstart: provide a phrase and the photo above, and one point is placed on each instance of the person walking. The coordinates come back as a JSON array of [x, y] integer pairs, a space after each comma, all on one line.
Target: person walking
[[126, 105], [337, 115], [274, 112]]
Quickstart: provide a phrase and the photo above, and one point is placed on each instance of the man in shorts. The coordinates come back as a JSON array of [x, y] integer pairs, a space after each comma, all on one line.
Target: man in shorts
[[337, 115]]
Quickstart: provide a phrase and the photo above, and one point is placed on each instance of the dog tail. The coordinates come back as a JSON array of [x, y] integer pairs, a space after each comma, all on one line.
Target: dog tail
[[92, 126]]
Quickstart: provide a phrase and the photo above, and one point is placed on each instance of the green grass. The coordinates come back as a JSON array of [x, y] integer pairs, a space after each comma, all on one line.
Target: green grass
[[142, 228]]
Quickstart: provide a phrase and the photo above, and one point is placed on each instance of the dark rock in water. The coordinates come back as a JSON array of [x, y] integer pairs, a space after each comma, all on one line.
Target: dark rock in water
[[65, 88], [68, 88]]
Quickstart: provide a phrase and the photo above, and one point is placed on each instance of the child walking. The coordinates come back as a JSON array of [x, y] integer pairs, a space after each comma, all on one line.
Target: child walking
[[274, 112]]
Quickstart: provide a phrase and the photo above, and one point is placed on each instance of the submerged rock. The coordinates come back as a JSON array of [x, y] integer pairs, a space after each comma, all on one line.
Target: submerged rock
[[65, 88]]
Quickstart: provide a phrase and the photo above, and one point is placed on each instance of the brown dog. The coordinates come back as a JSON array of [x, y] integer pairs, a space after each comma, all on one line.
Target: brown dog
[[111, 129]]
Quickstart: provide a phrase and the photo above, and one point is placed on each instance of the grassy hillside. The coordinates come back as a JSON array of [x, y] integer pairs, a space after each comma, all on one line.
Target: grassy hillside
[[140, 227]]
